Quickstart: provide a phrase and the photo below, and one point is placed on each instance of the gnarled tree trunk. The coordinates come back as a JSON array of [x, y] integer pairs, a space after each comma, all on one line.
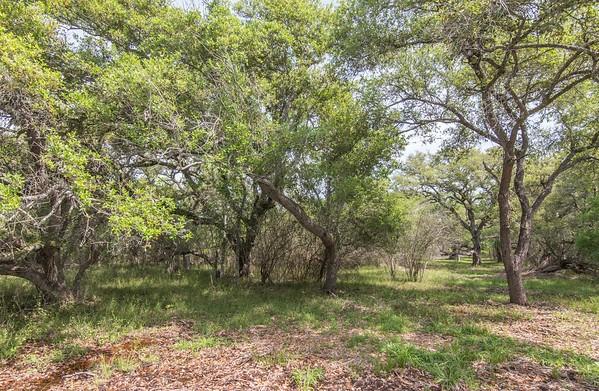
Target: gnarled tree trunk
[[244, 244], [51, 290], [330, 246]]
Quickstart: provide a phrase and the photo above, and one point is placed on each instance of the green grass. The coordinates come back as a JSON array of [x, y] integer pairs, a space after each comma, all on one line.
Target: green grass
[[279, 357], [453, 364], [107, 366], [68, 352], [198, 344], [125, 299], [306, 379]]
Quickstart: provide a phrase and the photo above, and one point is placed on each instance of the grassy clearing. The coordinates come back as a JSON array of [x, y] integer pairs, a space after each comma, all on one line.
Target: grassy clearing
[[125, 299]]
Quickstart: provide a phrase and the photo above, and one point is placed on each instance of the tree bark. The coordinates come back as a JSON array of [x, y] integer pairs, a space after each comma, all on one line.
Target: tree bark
[[243, 257], [222, 259], [510, 262], [476, 257], [244, 244], [330, 246], [475, 234], [51, 292], [497, 251], [330, 261]]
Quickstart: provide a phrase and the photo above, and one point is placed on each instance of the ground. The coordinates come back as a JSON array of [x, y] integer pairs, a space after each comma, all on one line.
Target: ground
[[142, 329]]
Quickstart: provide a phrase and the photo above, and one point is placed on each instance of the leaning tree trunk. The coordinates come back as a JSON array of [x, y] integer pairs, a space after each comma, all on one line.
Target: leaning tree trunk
[[49, 281], [510, 262], [49, 291], [330, 246]]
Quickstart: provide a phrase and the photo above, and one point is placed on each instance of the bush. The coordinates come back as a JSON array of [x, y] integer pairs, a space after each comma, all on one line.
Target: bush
[[285, 251], [427, 232]]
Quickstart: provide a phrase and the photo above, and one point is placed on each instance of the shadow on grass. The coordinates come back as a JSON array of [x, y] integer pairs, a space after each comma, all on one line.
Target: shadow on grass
[[124, 299]]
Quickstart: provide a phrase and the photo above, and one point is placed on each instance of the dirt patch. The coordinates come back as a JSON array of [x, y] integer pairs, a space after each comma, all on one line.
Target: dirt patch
[[525, 375], [22, 375], [428, 341], [555, 328], [408, 379], [259, 358]]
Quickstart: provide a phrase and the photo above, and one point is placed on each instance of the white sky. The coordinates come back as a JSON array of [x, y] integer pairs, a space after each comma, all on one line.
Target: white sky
[[418, 144]]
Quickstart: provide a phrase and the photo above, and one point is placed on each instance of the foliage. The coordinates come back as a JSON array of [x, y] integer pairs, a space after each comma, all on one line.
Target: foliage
[[139, 135], [562, 220], [11, 186], [144, 212], [587, 239], [515, 75], [462, 183]]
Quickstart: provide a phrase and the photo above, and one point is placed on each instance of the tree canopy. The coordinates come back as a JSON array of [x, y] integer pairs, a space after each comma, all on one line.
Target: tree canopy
[[140, 125]]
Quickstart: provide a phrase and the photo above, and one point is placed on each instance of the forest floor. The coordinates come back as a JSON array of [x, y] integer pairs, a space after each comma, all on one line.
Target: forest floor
[[145, 330]]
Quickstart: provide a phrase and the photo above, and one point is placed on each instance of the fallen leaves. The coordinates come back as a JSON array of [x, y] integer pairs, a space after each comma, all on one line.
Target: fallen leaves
[[259, 358]]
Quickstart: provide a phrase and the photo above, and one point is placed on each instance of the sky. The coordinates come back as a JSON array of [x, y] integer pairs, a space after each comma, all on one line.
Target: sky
[[418, 144]]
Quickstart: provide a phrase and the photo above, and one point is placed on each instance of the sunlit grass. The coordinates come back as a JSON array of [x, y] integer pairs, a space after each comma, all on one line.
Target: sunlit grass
[[306, 379], [198, 344], [124, 299]]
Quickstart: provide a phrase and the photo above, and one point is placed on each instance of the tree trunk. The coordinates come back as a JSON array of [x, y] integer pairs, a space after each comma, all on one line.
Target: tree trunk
[[51, 292], [54, 288], [476, 258], [222, 258], [497, 251], [515, 285], [330, 253], [330, 261], [510, 262], [243, 257], [244, 245]]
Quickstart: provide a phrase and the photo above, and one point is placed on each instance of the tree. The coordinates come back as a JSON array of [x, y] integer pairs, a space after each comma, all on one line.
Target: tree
[[560, 220], [323, 145], [182, 118], [516, 74], [230, 110], [331, 160], [329, 243], [61, 192], [460, 185]]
